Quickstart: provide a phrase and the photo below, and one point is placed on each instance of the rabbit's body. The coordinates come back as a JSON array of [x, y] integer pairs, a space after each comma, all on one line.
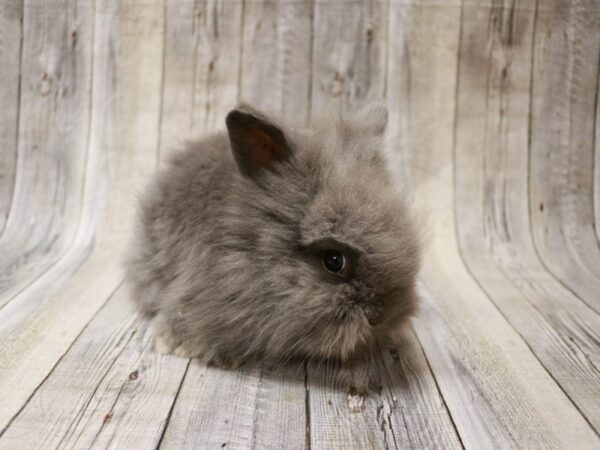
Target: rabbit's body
[[276, 242]]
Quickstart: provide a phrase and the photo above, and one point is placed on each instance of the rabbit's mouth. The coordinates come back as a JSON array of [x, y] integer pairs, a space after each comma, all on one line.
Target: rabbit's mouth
[[368, 302], [374, 313], [372, 310]]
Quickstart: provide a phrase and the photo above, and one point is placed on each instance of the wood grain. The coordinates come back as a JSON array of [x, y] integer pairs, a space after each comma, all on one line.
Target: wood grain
[[54, 107], [205, 417], [276, 66], [264, 408], [281, 418], [275, 74], [201, 68], [481, 364], [349, 51], [565, 80], [494, 121], [349, 408], [492, 182], [39, 325], [596, 151], [108, 379], [368, 401], [11, 16], [390, 402], [418, 414]]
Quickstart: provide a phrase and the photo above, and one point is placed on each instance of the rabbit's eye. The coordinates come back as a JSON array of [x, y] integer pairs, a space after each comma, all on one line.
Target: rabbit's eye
[[335, 262]]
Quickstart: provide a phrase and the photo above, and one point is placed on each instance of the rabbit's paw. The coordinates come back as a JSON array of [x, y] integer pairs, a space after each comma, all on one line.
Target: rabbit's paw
[[165, 343], [164, 340], [221, 361]]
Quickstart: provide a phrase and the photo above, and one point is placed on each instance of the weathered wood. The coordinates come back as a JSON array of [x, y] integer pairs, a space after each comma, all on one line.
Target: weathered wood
[[281, 418], [275, 75], [493, 111], [482, 366], [34, 338], [390, 402], [345, 70], [107, 380], [201, 68], [262, 408], [215, 408], [491, 199], [39, 325], [11, 15], [131, 43], [349, 409], [250, 407], [418, 411], [52, 140], [346, 407], [276, 70], [565, 80], [596, 151], [349, 52]]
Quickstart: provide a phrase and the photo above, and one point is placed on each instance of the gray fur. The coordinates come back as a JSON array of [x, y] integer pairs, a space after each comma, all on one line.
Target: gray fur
[[227, 255]]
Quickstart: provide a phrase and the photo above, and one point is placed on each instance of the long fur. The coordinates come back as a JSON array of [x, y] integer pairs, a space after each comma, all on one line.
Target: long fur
[[226, 259]]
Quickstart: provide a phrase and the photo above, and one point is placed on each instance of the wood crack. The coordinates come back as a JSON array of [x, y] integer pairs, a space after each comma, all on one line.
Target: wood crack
[[307, 406], [175, 398], [75, 423]]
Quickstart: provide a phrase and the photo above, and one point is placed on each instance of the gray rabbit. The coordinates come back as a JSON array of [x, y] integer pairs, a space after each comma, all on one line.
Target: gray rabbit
[[273, 241]]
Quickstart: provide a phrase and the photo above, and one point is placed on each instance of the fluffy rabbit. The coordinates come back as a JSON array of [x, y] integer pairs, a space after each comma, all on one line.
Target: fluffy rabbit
[[272, 242]]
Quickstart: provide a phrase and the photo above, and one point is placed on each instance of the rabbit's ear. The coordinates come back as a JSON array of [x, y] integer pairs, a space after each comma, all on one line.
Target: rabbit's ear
[[367, 122], [374, 118], [257, 143]]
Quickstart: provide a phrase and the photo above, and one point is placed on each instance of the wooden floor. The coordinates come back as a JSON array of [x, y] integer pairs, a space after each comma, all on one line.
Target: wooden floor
[[495, 123]]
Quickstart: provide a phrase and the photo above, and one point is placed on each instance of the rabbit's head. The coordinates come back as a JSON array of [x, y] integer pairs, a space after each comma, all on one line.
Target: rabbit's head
[[323, 245]]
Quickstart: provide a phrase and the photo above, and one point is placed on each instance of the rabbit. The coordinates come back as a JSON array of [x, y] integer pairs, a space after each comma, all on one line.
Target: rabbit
[[274, 241]]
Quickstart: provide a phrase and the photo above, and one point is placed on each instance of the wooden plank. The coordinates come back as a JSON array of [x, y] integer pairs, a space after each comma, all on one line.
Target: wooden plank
[[349, 52], [226, 415], [416, 404], [479, 335], [565, 74], [252, 407], [178, 75], [275, 75], [52, 141], [597, 159], [280, 416], [130, 38], [11, 33], [108, 389], [497, 392], [492, 201], [201, 70], [277, 55], [258, 406], [40, 324], [35, 337], [350, 48], [349, 409], [391, 401]]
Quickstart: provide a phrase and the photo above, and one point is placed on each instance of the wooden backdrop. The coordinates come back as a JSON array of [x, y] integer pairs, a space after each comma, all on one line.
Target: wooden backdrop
[[495, 123]]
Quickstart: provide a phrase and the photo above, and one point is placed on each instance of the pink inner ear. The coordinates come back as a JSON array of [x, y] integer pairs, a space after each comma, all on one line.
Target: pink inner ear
[[264, 149]]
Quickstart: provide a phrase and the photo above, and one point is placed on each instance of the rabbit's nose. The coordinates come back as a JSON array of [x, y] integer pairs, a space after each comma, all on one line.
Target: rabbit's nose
[[373, 312]]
